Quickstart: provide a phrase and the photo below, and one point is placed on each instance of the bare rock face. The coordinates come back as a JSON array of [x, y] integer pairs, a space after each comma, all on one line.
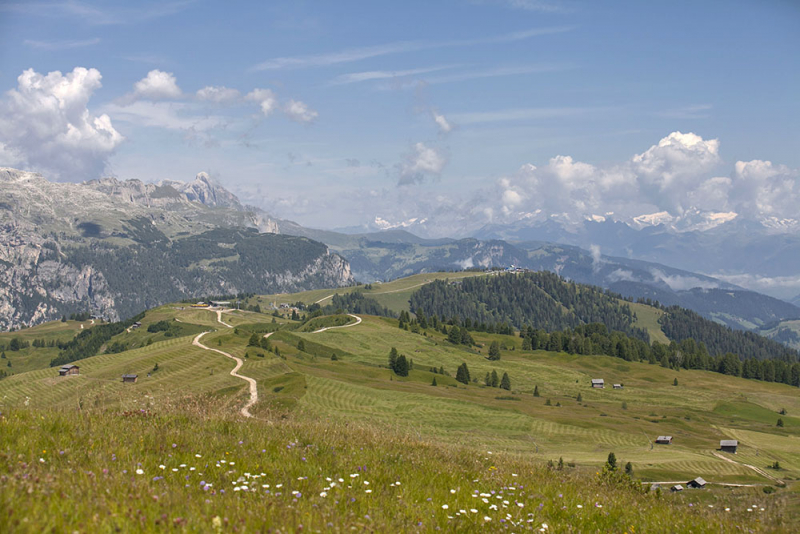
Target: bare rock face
[[114, 247]]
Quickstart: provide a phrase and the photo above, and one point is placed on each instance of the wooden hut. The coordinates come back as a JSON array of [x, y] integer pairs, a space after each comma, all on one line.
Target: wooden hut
[[697, 483], [130, 378], [598, 383], [664, 440], [676, 488], [728, 445], [67, 370], [617, 386]]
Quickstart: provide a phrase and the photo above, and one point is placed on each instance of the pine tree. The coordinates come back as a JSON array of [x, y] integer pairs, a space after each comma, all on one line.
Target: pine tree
[[393, 359], [334, 357], [254, 341], [462, 374], [441, 370], [494, 351], [580, 397], [301, 346], [402, 366], [434, 382], [548, 403], [780, 423], [488, 379], [3, 355], [495, 379], [675, 382], [612, 461], [629, 469], [505, 383], [536, 391], [454, 336], [561, 463], [265, 343]]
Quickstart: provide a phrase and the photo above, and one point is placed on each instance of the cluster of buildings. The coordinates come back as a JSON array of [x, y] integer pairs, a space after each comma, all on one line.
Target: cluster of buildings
[[599, 383]]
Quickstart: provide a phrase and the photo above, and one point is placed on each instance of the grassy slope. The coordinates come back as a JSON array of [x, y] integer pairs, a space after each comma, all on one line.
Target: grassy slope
[[647, 318], [704, 408], [38, 358]]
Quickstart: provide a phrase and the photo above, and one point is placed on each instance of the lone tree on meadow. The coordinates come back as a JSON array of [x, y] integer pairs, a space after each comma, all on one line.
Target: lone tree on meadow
[[301, 346], [434, 382], [462, 374], [254, 341], [494, 351], [675, 382], [629, 469], [505, 383], [580, 398], [780, 423], [536, 391]]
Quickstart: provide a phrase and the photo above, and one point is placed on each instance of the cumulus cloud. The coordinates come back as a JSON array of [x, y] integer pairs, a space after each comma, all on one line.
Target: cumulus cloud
[[299, 111], [442, 122], [671, 177], [157, 85], [666, 171], [420, 162], [45, 124], [265, 98], [218, 95]]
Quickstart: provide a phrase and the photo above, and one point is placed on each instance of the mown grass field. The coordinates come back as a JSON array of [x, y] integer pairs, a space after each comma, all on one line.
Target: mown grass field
[[358, 391]]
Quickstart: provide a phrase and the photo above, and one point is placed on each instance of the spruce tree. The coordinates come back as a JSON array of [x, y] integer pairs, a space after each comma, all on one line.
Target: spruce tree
[[612, 461], [393, 359], [495, 379], [441, 370], [254, 341], [629, 469], [536, 391], [434, 382], [780, 422], [675, 382], [494, 351], [301, 346], [402, 366], [487, 380], [505, 383], [454, 336], [3, 355], [548, 403], [580, 397], [462, 374]]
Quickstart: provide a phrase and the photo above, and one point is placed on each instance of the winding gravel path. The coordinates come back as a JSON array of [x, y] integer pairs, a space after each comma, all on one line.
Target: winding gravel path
[[245, 411], [356, 317]]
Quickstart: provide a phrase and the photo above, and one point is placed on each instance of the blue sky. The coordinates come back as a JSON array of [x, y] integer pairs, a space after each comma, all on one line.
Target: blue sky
[[449, 111]]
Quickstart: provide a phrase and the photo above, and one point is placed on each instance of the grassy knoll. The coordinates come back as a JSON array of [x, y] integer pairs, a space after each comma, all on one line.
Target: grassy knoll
[[31, 358], [197, 470]]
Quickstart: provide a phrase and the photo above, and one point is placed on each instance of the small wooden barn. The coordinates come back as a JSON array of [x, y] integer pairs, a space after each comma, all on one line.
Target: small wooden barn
[[617, 386], [664, 440], [676, 488], [598, 383], [67, 370], [728, 445], [130, 378], [697, 483]]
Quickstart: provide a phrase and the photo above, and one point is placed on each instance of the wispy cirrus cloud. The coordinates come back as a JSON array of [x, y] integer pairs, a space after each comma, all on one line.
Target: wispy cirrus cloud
[[61, 45], [96, 15], [498, 72], [699, 111], [516, 114], [358, 54], [356, 77]]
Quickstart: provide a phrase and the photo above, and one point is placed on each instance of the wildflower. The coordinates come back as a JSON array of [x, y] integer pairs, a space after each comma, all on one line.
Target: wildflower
[[162, 466], [323, 494], [473, 510], [452, 491], [174, 445], [580, 506], [197, 456], [445, 507], [139, 472], [487, 518], [368, 491], [41, 460]]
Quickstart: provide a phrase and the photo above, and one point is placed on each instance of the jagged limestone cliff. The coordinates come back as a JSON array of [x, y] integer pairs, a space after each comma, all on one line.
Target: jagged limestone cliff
[[117, 247]]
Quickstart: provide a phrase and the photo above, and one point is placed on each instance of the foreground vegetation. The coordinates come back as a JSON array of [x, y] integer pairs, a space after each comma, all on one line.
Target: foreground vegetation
[[198, 470]]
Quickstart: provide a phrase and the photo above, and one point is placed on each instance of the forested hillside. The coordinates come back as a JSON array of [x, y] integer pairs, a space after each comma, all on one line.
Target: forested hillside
[[542, 299]]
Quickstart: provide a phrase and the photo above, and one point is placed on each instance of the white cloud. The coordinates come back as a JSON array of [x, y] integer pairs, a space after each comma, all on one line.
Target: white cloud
[[299, 111], [168, 115], [45, 124], [442, 122], [421, 161], [356, 77], [517, 114], [61, 45], [219, 95], [680, 283], [760, 188], [157, 85], [357, 54], [265, 98], [668, 170]]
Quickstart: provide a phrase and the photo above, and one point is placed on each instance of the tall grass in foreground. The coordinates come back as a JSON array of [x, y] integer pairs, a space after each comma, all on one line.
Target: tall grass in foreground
[[199, 471]]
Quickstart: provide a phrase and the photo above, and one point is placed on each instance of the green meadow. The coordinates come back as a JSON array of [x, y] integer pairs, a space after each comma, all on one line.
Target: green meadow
[[337, 401]]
